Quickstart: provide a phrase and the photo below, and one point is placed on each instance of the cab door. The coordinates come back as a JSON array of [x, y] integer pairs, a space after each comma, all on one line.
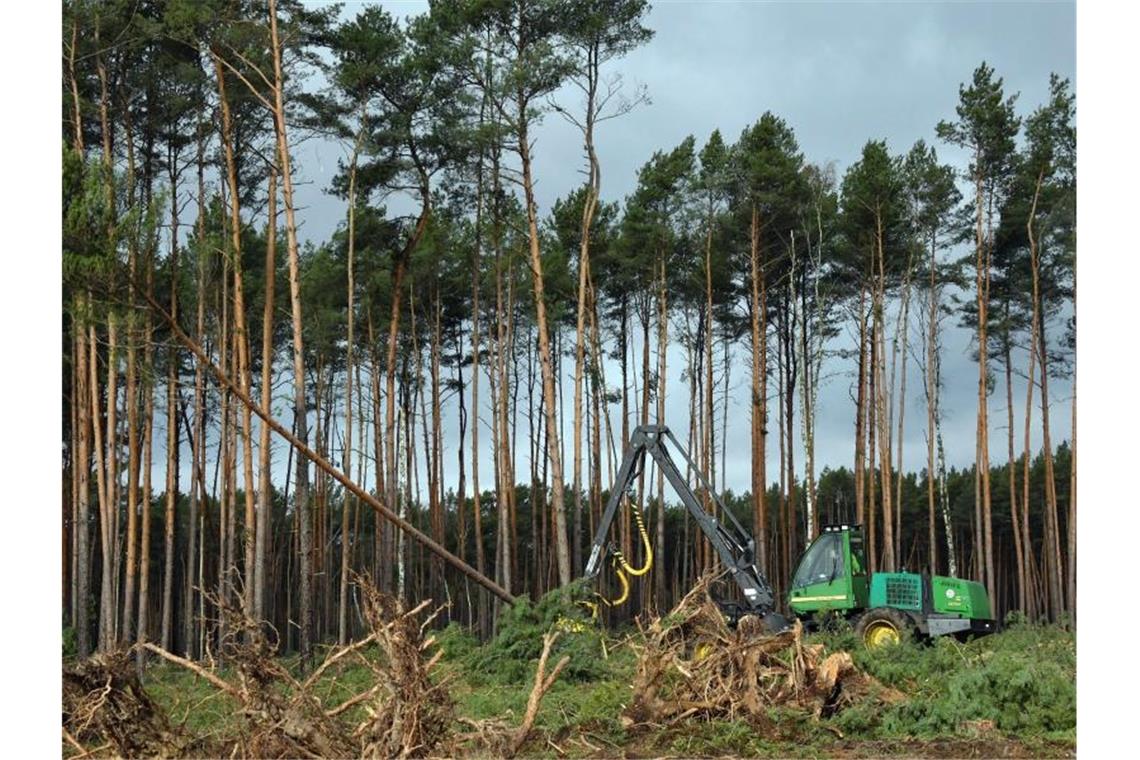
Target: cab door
[[823, 579]]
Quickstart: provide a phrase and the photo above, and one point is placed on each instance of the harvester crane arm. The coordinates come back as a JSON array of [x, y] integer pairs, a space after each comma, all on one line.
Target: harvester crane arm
[[734, 544]]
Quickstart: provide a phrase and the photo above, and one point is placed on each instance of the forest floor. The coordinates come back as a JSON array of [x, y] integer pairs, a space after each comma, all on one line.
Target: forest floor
[[1011, 694]]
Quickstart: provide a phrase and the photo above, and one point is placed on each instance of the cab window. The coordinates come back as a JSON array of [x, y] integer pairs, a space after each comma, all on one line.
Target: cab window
[[822, 563]]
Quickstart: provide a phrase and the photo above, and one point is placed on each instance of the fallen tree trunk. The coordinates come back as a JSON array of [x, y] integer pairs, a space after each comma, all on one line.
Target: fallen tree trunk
[[324, 464]]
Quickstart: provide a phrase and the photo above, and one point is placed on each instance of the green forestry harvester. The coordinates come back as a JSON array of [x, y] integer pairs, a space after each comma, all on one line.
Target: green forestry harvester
[[831, 579]]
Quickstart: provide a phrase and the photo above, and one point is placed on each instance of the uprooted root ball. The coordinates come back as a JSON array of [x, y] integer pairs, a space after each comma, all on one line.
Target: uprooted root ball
[[409, 716], [693, 665], [105, 709]]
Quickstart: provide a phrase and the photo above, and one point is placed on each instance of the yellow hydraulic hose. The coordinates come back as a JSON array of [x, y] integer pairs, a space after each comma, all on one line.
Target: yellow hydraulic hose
[[624, 596], [623, 569], [637, 571]]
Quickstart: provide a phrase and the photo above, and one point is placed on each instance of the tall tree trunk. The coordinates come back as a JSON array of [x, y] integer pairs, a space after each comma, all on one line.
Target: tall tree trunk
[[172, 443], [1026, 536], [930, 376], [1051, 549], [476, 349], [557, 500], [265, 476], [147, 456], [132, 405], [345, 525], [82, 552], [225, 346], [242, 340], [299, 405], [861, 411], [132, 483], [872, 416], [882, 413], [589, 206], [759, 404], [103, 485], [1014, 519], [903, 330], [708, 441], [982, 277]]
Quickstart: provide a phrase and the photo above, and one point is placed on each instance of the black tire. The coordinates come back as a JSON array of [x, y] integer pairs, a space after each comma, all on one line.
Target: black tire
[[883, 625]]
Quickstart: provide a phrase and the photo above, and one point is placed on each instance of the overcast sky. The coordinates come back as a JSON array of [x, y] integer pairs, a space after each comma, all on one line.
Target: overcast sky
[[840, 73]]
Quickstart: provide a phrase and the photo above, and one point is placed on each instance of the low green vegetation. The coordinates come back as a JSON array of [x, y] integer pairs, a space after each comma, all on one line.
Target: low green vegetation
[[1020, 682], [1012, 693]]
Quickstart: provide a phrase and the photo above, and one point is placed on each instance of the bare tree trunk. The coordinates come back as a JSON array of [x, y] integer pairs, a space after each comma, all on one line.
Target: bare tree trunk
[[197, 443], [930, 377], [132, 478], [225, 346], [1026, 536], [106, 633], [242, 341], [873, 559], [476, 348], [883, 405], [1015, 521], [345, 526], [132, 405], [147, 449], [759, 392], [171, 479], [82, 553], [557, 500], [707, 454], [265, 475], [1052, 551], [902, 330], [982, 266], [299, 408], [593, 188]]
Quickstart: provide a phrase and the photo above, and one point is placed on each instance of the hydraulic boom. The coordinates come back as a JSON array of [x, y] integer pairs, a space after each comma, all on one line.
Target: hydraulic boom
[[736, 547]]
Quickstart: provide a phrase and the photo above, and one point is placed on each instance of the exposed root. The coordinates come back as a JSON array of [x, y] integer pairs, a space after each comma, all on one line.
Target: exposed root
[[693, 665], [106, 708], [407, 715]]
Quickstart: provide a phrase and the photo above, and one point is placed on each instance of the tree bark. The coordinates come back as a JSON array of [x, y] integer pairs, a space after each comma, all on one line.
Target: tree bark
[[930, 389], [345, 525], [299, 405], [557, 500], [241, 338], [759, 404], [982, 277], [265, 477], [82, 554], [1052, 548], [861, 411]]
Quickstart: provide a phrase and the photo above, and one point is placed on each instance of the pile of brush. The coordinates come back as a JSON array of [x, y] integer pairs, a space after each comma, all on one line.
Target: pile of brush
[[106, 712], [406, 711], [691, 664]]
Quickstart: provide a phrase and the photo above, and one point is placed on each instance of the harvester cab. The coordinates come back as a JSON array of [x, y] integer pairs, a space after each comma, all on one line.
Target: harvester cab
[[832, 580]]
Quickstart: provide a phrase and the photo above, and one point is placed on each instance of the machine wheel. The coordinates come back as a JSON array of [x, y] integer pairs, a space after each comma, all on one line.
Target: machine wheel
[[883, 626]]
